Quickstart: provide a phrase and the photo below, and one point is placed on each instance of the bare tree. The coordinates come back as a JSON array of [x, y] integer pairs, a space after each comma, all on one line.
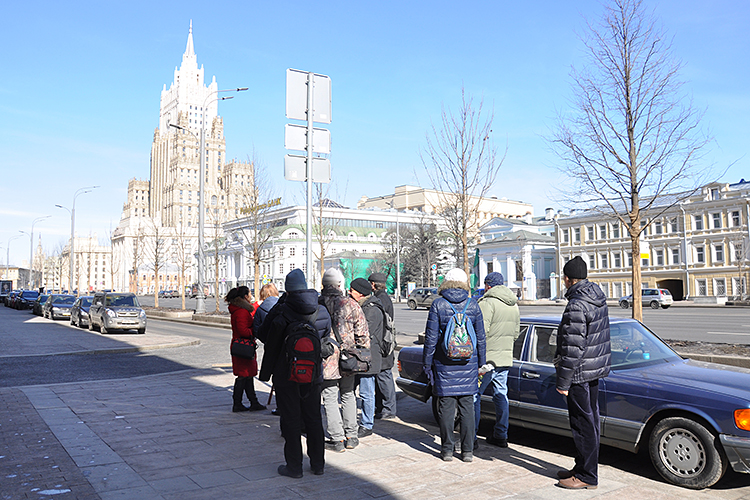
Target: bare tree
[[158, 252], [258, 199], [462, 163], [183, 256], [631, 135], [139, 251], [322, 226], [114, 260]]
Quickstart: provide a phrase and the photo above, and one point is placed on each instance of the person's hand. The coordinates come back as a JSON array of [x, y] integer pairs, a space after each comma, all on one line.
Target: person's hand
[[564, 393], [430, 376], [488, 367]]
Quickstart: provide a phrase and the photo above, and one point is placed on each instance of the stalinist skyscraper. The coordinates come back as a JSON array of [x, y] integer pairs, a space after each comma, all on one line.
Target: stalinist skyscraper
[[167, 204]]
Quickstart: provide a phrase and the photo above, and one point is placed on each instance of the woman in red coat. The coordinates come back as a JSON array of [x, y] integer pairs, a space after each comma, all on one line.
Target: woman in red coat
[[242, 311]]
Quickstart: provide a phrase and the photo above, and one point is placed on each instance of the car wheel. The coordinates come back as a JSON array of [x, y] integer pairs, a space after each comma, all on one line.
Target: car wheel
[[91, 325], [72, 323], [141, 331], [412, 305], [685, 453], [103, 329], [655, 305], [665, 306], [624, 304]]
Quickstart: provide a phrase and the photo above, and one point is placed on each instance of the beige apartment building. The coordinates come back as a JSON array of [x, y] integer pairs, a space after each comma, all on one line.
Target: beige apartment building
[[696, 248]]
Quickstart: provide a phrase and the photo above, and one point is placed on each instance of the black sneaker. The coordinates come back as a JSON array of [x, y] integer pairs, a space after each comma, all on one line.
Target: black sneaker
[[447, 457], [499, 442], [364, 432], [284, 471], [351, 443], [318, 472], [386, 415], [256, 406], [239, 408], [467, 457], [337, 446]]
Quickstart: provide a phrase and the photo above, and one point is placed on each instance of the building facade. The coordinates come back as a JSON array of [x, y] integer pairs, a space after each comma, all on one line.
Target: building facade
[[696, 248]]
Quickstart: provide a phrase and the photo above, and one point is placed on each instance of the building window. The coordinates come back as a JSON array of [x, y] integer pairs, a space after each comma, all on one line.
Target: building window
[[657, 227], [717, 221], [736, 218], [603, 259], [699, 255], [737, 252], [714, 194], [720, 287], [616, 230], [675, 256], [603, 232], [739, 286], [281, 252], [281, 269], [659, 257], [617, 260], [291, 251], [592, 261], [566, 236], [577, 235], [698, 222], [630, 259], [644, 262], [291, 267], [719, 252], [673, 225], [590, 231], [700, 286]]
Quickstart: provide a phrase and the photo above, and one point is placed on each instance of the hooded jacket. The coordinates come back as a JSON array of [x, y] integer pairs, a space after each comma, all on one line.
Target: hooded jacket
[[348, 321], [385, 300], [273, 331], [452, 377], [262, 311], [242, 320], [583, 349], [373, 310], [502, 324]]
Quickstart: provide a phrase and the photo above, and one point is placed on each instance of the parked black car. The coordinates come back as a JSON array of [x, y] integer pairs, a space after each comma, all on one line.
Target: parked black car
[[58, 306], [79, 313], [25, 299], [38, 304]]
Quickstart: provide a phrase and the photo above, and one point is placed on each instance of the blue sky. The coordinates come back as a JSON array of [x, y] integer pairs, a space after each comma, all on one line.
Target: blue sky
[[79, 97]]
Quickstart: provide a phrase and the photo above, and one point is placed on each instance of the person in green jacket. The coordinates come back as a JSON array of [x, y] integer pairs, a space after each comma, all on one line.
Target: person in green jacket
[[502, 326]]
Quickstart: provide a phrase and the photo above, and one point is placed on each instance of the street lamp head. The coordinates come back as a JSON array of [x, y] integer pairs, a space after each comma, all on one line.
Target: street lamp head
[[176, 126], [240, 89], [226, 98]]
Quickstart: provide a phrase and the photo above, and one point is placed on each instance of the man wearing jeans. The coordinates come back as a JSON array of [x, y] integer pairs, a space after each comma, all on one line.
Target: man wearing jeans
[[361, 291], [502, 326]]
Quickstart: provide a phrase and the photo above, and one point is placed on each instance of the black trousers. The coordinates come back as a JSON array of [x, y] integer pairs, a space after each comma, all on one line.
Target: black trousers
[[385, 392], [447, 406], [583, 411], [298, 404]]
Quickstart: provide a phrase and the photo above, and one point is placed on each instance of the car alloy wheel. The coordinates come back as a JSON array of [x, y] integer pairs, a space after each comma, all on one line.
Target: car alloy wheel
[[685, 453], [655, 305], [624, 304], [412, 305]]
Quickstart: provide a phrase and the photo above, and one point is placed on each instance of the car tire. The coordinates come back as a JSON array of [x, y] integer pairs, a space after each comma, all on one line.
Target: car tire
[[665, 306], [103, 329], [72, 323], [91, 325], [412, 305], [624, 304], [686, 453], [655, 305], [141, 331]]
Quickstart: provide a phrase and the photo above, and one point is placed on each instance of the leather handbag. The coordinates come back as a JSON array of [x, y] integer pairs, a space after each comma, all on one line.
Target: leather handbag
[[355, 360], [243, 348]]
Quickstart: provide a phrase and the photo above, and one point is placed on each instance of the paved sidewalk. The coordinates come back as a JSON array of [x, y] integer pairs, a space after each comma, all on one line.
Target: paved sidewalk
[[173, 436]]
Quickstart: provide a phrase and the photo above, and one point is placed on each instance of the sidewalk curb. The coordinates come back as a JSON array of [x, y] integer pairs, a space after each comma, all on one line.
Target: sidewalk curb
[[112, 350]]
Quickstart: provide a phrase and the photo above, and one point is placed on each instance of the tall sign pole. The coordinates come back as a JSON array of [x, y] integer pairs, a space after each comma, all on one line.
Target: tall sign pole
[[304, 103]]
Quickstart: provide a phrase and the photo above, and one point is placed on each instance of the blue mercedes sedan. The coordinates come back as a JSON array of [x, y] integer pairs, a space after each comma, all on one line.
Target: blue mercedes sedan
[[693, 417]]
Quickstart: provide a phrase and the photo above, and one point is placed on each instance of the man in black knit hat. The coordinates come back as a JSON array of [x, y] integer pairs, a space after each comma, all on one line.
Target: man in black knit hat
[[582, 358]]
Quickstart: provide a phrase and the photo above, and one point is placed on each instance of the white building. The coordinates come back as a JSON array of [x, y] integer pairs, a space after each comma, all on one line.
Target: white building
[[523, 250]]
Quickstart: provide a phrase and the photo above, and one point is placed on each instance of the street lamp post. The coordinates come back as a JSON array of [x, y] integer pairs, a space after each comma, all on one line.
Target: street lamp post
[[398, 254], [72, 211], [200, 299], [7, 256], [31, 250]]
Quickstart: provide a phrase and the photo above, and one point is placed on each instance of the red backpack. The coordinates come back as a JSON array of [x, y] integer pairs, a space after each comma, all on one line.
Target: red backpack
[[302, 346]]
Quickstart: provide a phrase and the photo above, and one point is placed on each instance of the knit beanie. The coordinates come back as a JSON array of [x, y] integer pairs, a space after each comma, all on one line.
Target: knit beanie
[[494, 279], [456, 274], [333, 276], [295, 280], [575, 268], [362, 286]]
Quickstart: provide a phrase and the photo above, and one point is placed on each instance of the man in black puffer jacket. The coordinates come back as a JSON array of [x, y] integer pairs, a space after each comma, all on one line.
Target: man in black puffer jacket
[[582, 358]]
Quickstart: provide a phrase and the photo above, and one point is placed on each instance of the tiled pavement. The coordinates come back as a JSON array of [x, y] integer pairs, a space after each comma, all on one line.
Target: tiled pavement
[[174, 437]]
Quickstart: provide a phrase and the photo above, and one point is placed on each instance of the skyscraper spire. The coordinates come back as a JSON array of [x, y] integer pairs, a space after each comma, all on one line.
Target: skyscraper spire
[[189, 50]]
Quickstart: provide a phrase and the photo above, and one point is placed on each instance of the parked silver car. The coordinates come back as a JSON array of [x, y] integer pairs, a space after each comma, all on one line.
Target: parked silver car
[[422, 297], [653, 297], [112, 311]]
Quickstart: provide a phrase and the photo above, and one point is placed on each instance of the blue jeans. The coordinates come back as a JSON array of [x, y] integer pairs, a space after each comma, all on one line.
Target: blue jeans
[[499, 380], [367, 393]]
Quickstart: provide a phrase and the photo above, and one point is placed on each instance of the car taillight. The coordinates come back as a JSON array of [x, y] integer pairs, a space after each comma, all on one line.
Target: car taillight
[[742, 419], [398, 363]]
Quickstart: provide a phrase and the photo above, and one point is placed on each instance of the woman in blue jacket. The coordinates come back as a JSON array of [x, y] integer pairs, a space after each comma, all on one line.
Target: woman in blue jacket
[[454, 382]]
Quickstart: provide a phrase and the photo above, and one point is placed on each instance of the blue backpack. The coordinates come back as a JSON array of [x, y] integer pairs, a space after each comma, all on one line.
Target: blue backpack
[[460, 340]]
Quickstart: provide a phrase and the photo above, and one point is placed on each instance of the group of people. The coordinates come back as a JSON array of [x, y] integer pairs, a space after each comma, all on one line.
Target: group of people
[[351, 320], [358, 320]]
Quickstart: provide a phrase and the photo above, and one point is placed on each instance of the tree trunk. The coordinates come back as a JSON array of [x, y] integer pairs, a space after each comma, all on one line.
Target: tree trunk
[[256, 279], [636, 272]]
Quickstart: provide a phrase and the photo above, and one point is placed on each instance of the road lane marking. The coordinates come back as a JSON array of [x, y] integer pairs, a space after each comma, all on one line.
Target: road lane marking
[[728, 333]]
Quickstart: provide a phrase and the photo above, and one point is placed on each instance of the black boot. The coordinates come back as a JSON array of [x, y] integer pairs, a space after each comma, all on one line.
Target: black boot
[[239, 386], [250, 392]]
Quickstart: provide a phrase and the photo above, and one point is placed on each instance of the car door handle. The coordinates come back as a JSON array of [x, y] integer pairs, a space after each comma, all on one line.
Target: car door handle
[[530, 375]]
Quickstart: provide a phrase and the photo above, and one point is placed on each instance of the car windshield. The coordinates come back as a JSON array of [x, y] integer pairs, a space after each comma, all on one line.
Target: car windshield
[[64, 300], [122, 301], [85, 301], [30, 295]]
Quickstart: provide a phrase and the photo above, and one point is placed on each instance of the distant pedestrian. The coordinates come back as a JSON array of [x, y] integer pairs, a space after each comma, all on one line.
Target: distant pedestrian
[[349, 328], [385, 388], [242, 310], [502, 325], [583, 356], [454, 382], [297, 403], [361, 291]]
